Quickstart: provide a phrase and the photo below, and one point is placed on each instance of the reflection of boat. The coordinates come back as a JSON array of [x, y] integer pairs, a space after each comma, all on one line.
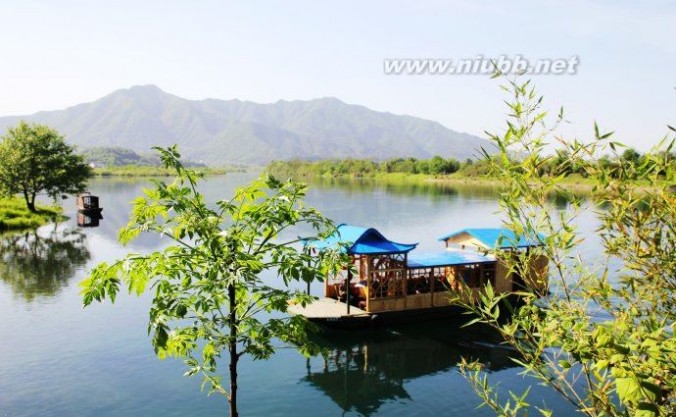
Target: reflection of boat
[[392, 286], [88, 220], [362, 370], [89, 204]]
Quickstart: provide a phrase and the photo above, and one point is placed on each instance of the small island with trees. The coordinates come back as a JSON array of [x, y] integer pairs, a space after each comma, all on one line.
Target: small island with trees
[[36, 160]]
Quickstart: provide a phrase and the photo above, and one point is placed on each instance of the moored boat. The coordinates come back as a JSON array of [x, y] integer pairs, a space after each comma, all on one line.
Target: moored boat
[[388, 282], [88, 204]]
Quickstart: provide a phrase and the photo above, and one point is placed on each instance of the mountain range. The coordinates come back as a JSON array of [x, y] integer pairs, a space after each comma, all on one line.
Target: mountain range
[[234, 131]]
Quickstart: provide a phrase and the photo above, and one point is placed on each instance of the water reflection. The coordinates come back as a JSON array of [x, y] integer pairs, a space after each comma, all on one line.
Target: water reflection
[[434, 189], [88, 220], [428, 189], [40, 263], [365, 369]]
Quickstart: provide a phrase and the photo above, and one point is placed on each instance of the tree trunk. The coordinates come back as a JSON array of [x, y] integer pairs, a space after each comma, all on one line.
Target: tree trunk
[[30, 201], [234, 356]]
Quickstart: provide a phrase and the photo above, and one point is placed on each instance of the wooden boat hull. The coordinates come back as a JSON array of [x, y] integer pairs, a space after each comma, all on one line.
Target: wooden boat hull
[[359, 319], [333, 314], [90, 211], [348, 322]]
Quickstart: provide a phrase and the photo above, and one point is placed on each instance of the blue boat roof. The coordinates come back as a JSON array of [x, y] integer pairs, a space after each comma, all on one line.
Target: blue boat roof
[[447, 258], [361, 241], [492, 237]]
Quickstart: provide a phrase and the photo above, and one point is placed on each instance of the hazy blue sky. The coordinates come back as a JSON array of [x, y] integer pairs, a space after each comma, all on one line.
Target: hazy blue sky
[[60, 53]]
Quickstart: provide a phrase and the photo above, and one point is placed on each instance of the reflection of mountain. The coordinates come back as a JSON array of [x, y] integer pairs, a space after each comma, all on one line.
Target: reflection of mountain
[[36, 264], [363, 370]]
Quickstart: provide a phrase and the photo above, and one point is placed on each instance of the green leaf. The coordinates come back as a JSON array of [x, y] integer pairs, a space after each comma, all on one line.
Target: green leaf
[[647, 410], [601, 364], [564, 364], [628, 390]]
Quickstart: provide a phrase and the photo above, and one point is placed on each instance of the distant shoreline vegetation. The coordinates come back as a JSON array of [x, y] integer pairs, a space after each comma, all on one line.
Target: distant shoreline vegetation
[[450, 171], [123, 162], [364, 168], [153, 171]]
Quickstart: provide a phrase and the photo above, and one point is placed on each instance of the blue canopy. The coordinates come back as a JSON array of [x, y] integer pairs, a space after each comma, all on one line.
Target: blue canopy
[[447, 258], [361, 241], [491, 237]]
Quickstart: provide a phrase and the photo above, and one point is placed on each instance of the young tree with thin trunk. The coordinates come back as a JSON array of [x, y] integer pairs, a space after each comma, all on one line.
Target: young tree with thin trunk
[[207, 287]]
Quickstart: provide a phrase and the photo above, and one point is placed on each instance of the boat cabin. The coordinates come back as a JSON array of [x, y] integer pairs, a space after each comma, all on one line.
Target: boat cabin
[[87, 203], [389, 277], [507, 243]]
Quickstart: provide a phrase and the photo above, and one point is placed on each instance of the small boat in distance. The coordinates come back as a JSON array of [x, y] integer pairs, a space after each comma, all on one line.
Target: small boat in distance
[[88, 204]]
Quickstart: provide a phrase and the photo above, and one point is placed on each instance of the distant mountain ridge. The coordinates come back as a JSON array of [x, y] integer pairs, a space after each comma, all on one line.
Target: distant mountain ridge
[[234, 131]]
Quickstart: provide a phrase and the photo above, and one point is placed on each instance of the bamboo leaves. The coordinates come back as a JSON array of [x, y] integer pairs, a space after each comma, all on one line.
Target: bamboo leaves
[[624, 363]]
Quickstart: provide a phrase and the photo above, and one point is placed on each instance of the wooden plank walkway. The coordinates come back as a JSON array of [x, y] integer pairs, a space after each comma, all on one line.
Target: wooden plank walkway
[[326, 308]]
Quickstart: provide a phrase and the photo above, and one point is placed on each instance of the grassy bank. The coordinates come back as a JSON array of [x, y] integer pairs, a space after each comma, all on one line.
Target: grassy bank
[[471, 173], [15, 216], [573, 182], [150, 171], [286, 171]]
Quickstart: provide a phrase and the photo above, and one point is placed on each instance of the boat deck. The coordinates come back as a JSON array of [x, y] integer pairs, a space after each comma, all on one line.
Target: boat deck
[[326, 308]]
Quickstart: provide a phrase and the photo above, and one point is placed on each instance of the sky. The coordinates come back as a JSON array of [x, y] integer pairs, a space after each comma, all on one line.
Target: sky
[[57, 54]]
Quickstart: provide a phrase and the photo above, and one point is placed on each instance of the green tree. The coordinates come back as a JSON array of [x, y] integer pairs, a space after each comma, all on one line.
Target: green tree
[[437, 165], [207, 288], [34, 159], [452, 165], [421, 166], [631, 155], [604, 338], [632, 160]]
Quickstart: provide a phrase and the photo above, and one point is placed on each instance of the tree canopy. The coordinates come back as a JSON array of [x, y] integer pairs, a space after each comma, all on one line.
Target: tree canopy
[[207, 285], [35, 159]]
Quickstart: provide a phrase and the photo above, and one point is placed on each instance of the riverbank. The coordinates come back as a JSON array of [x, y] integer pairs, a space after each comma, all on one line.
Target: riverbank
[[15, 216], [152, 171], [449, 173], [573, 183]]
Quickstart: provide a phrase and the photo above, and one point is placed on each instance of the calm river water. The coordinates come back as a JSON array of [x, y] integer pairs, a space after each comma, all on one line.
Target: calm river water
[[57, 359]]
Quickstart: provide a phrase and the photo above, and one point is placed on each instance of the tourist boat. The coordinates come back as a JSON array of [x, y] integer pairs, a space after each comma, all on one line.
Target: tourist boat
[[389, 282], [88, 204]]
